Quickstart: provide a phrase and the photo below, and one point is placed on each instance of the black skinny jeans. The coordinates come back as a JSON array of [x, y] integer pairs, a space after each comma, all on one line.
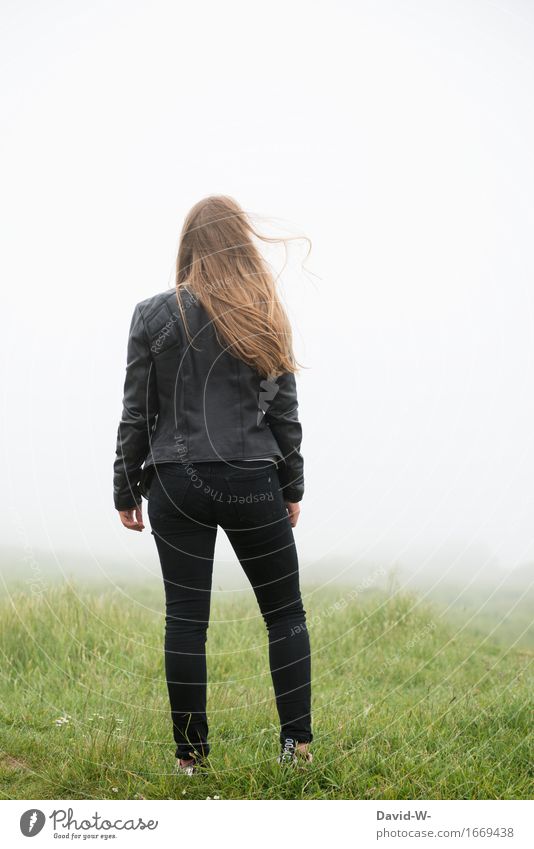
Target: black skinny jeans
[[186, 504]]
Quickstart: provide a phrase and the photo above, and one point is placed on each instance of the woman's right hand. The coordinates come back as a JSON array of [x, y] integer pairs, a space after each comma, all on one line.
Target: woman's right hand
[[293, 511]]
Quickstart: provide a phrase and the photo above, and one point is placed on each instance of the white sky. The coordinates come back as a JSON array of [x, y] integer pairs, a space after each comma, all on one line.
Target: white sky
[[397, 135]]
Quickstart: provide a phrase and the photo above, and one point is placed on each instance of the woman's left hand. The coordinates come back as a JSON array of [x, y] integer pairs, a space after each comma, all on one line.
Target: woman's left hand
[[293, 510], [133, 518]]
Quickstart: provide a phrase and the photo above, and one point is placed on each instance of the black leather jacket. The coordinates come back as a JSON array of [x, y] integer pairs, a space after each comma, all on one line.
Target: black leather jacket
[[194, 401]]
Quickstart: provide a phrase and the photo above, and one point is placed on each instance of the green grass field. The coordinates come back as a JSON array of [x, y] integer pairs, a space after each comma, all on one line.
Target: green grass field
[[406, 705]]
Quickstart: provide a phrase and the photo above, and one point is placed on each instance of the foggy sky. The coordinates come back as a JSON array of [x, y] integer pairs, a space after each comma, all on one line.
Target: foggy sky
[[397, 135]]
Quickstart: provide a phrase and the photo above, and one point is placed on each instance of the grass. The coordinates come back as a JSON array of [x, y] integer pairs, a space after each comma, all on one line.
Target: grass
[[406, 705]]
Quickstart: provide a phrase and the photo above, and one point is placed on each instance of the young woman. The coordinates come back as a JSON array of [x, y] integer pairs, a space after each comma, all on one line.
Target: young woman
[[210, 435]]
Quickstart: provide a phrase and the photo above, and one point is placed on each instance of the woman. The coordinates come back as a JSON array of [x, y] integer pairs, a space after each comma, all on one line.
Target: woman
[[210, 435]]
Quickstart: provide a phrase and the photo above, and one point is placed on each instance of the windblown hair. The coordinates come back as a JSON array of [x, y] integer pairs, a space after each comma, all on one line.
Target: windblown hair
[[221, 266]]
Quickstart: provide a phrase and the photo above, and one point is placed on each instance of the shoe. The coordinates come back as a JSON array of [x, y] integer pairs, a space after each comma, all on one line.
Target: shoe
[[291, 755], [186, 768], [190, 766]]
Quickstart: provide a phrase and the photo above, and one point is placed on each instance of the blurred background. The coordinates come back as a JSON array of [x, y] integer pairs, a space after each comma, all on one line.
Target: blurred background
[[398, 136]]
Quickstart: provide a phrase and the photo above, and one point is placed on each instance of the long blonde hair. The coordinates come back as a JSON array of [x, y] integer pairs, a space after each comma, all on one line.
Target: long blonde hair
[[221, 266]]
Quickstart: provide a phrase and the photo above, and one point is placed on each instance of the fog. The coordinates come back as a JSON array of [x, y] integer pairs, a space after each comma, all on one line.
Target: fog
[[398, 136]]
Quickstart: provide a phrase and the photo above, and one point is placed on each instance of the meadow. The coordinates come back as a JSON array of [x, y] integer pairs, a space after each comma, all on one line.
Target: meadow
[[408, 703]]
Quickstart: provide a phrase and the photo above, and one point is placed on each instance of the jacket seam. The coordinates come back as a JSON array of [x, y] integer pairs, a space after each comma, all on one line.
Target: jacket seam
[[240, 406], [143, 323], [150, 461]]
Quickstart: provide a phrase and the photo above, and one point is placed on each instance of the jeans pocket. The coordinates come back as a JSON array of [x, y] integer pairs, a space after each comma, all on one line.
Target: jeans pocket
[[168, 490], [254, 497]]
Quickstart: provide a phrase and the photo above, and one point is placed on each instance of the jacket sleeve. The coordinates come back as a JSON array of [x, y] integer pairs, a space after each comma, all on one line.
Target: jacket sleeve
[[281, 415], [139, 416]]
